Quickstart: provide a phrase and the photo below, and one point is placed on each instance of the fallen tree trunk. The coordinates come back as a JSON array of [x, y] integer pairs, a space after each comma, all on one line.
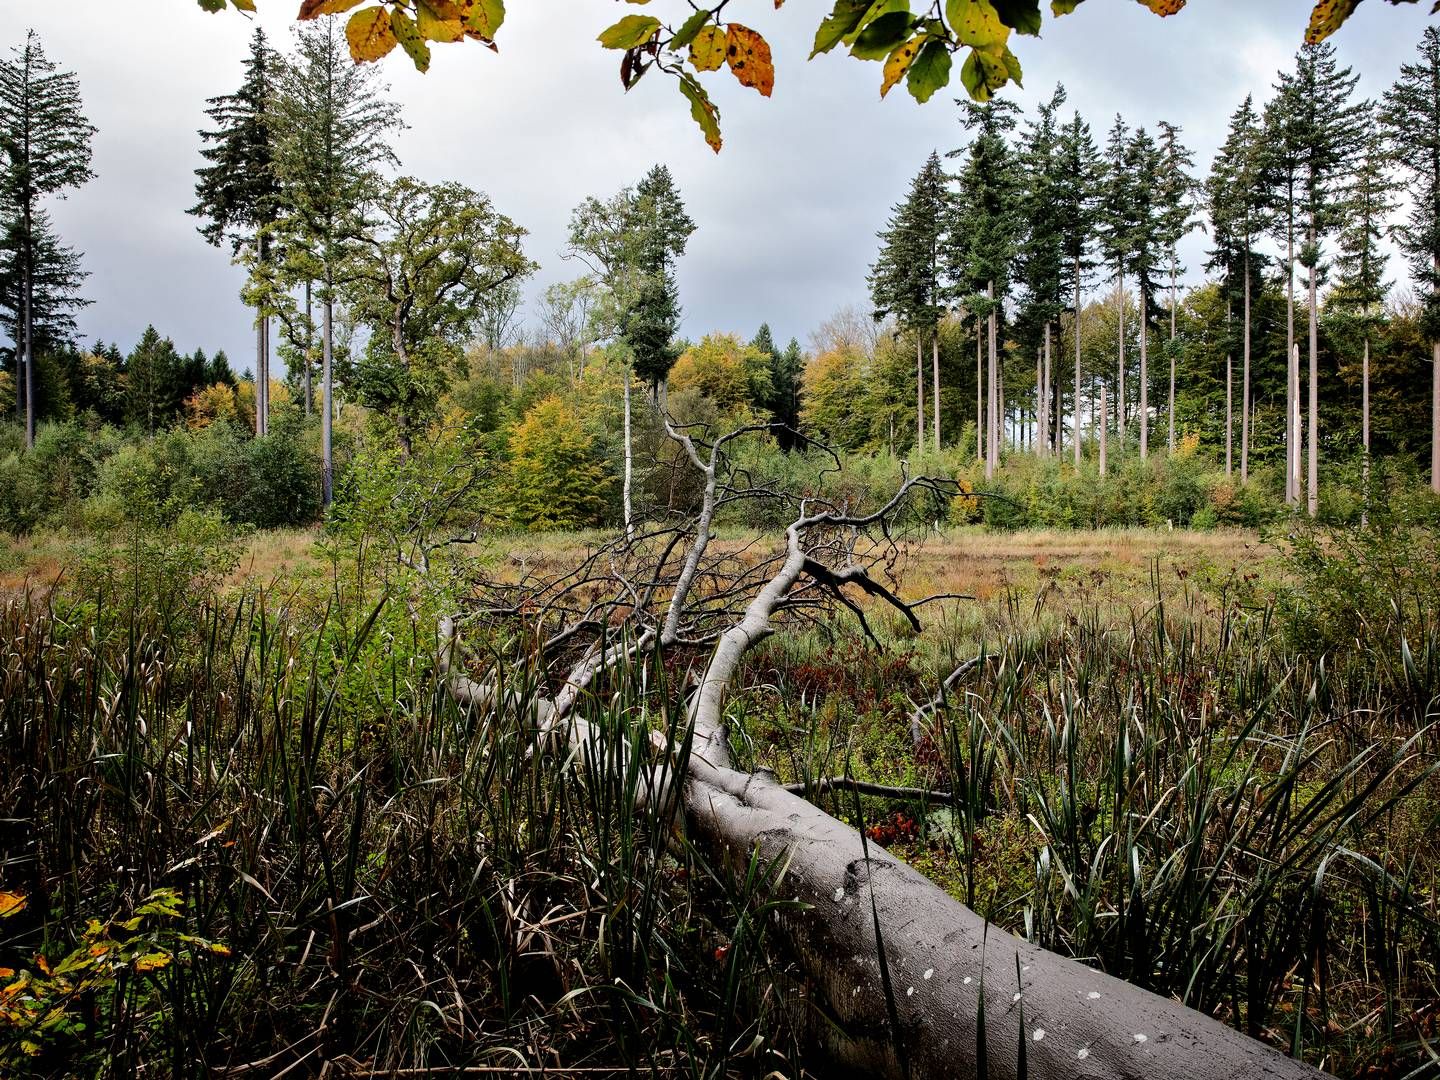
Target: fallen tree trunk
[[895, 969]]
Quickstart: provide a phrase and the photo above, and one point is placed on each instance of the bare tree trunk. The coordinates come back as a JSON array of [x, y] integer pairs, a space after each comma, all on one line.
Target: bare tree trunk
[[1049, 441], [919, 395], [935, 396], [29, 335], [1120, 381], [629, 461], [992, 414], [1245, 384], [1144, 376], [979, 390], [1435, 417], [327, 405], [1170, 406], [1312, 477], [1229, 415], [309, 343], [1104, 426], [260, 379], [1292, 393], [1365, 428], [1077, 363], [1036, 442]]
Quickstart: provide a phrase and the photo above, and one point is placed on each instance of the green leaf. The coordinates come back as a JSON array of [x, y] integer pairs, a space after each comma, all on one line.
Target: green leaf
[[702, 109], [689, 28], [1064, 7], [630, 32], [878, 39], [839, 24], [976, 23], [983, 73], [1022, 16], [929, 72], [876, 10], [483, 17], [410, 38]]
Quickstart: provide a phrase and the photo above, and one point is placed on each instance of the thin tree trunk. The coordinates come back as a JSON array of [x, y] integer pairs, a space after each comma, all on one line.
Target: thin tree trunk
[[979, 390], [1292, 387], [1245, 384], [259, 373], [1104, 426], [1170, 406], [992, 415], [1435, 417], [1144, 377], [1046, 443], [629, 460], [1312, 475], [919, 395], [1039, 400], [309, 342], [1365, 428], [1229, 414], [935, 397], [1120, 383], [327, 408], [1077, 363], [29, 346]]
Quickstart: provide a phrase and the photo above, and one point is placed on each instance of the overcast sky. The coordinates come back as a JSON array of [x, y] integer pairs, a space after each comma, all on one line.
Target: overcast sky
[[787, 213]]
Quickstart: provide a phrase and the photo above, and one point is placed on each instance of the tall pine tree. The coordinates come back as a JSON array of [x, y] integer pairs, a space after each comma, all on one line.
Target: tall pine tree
[[906, 280], [1412, 122], [44, 150], [238, 192], [1117, 217], [1174, 195], [1075, 211]]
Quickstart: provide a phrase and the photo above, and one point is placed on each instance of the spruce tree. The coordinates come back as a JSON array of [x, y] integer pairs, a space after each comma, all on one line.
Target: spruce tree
[[1326, 129], [238, 192], [906, 279], [1360, 263], [783, 399], [333, 125], [652, 316], [153, 378], [1117, 216], [54, 278], [44, 150], [1147, 244], [1042, 251], [1282, 171], [1412, 122], [1175, 198], [1238, 199], [981, 242], [1075, 211]]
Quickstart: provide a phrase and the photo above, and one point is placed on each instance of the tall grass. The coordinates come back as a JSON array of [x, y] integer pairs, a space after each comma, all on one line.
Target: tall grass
[[295, 849], [1178, 790]]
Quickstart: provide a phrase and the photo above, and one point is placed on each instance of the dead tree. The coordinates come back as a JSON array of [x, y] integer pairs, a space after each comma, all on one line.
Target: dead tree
[[894, 968]]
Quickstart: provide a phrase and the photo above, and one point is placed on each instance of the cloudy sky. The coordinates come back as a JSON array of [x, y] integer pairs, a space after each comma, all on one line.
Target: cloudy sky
[[787, 213]]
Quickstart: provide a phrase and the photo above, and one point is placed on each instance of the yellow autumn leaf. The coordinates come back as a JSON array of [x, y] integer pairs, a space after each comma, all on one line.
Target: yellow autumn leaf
[[976, 23], [1326, 18], [707, 51], [439, 20], [370, 34], [152, 961], [1170, 7], [748, 55], [313, 9], [11, 903], [899, 62]]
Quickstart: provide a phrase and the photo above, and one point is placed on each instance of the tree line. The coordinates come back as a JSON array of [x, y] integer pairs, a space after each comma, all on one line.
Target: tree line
[[1035, 223]]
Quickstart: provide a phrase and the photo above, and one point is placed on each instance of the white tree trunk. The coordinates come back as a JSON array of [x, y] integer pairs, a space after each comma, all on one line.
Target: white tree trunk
[[1229, 415], [629, 461], [1077, 364], [1292, 388], [327, 406], [979, 390], [1245, 384], [1047, 425], [992, 415], [1170, 406], [1312, 474], [1120, 380], [1144, 378], [1365, 429], [1104, 427], [919, 395], [935, 395]]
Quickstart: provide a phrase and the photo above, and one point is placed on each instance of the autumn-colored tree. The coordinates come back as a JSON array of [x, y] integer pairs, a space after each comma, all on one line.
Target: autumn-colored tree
[[733, 375], [553, 480]]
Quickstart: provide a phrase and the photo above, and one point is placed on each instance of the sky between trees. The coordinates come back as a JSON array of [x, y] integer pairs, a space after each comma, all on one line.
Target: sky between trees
[[787, 214]]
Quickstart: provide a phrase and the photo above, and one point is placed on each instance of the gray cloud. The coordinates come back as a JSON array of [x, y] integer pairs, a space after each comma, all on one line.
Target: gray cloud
[[787, 212]]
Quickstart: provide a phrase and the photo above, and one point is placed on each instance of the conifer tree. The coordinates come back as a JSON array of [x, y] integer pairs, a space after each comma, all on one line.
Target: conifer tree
[[1412, 122], [153, 381], [1042, 252], [54, 278], [1360, 286], [1117, 216], [1175, 198], [1325, 130], [783, 398], [1239, 213], [238, 191], [1147, 243], [1282, 171], [1075, 211], [906, 280], [652, 316], [333, 122], [981, 242], [44, 150]]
